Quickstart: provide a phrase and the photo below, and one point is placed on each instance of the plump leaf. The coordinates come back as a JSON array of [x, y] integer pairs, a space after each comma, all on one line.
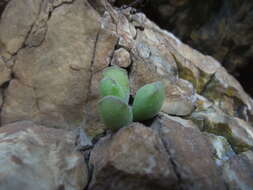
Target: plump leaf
[[148, 101], [114, 112], [120, 77], [109, 87]]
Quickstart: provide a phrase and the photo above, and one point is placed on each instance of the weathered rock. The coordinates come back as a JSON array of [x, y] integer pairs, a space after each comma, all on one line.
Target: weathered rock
[[202, 103], [16, 22], [121, 58], [1, 98], [53, 58], [55, 76], [134, 158], [222, 148], [3, 3], [224, 91], [103, 52], [222, 29], [35, 157], [5, 72], [187, 147], [238, 173], [238, 132], [20, 103], [180, 98], [151, 61]]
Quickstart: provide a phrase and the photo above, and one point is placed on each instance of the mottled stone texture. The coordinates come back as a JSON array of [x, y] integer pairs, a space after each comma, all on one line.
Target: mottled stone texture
[[52, 54], [35, 157], [134, 158], [220, 28]]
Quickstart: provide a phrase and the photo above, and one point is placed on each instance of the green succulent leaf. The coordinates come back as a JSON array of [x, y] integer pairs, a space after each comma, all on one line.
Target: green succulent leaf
[[120, 77], [114, 112], [109, 87], [148, 101]]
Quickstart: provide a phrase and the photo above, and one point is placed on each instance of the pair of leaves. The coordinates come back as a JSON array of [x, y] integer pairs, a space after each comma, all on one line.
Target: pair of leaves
[[113, 107]]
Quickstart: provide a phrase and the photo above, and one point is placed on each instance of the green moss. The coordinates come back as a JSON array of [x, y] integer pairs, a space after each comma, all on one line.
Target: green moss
[[230, 91], [202, 81], [184, 72], [223, 129]]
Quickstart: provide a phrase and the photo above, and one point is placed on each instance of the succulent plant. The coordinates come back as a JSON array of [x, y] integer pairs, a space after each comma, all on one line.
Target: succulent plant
[[148, 101], [113, 107], [114, 112], [120, 77], [109, 87]]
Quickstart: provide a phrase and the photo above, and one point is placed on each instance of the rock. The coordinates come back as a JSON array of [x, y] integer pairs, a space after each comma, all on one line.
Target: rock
[[222, 148], [104, 50], [16, 22], [35, 157], [180, 98], [134, 158], [237, 171], [223, 90], [54, 78], [151, 61], [1, 98], [187, 147], [5, 72], [83, 142], [202, 103], [20, 103], [237, 132], [52, 58], [2, 5], [121, 58], [217, 28]]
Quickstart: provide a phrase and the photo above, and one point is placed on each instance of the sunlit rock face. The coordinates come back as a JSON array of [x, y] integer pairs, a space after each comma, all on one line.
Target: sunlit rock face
[[53, 54]]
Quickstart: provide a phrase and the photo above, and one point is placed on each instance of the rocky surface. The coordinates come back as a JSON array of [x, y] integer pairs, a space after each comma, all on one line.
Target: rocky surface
[[36, 157], [5, 73], [52, 57], [221, 29], [187, 147], [3, 3], [54, 50], [134, 158], [238, 171]]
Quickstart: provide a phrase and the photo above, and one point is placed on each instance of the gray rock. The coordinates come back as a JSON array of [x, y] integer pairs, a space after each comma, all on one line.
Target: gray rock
[[224, 91], [52, 80], [190, 152], [16, 21], [222, 148], [53, 56], [237, 172], [83, 142], [5, 72], [237, 132], [121, 58], [217, 28], [35, 157], [134, 158], [1, 98], [180, 98]]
